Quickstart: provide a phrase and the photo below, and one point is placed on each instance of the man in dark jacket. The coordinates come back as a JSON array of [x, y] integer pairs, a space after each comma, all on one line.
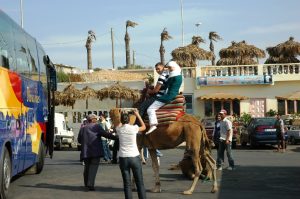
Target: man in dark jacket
[[89, 137]]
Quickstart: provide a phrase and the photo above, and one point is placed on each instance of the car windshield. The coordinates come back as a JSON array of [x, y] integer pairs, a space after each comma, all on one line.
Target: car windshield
[[265, 121]]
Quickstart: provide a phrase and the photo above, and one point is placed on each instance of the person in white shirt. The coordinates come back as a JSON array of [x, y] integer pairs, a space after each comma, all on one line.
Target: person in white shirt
[[225, 141], [129, 156]]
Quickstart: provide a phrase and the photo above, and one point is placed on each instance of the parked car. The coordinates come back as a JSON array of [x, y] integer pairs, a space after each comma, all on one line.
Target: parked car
[[259, 131], [209, 124], [63, 135], [293, 134]]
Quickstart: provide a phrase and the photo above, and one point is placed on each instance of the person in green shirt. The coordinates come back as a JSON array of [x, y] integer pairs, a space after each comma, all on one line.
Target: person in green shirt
[[172, 89]]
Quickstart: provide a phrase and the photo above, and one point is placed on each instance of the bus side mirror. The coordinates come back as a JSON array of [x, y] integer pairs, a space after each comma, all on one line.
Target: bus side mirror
[[52, 73]]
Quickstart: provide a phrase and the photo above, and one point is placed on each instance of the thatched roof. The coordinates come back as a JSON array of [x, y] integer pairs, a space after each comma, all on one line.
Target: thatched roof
[[108, 75], [88, 92], [188, 56], [281, 60], [285, 52], [235, 61], [240, 53], [118, 91], [68, 96], [288, 48], [241, 49]]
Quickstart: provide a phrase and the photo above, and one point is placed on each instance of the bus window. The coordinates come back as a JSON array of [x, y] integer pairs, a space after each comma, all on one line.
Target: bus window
[[42, 68], [32, 57], [21, 53], [6, 45]]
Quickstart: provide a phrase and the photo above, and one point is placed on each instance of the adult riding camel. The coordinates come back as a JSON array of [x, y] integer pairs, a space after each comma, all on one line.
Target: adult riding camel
[[168, 135]]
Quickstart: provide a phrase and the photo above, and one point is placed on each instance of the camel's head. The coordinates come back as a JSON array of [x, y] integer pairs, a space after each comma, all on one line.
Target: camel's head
[[115, 115]]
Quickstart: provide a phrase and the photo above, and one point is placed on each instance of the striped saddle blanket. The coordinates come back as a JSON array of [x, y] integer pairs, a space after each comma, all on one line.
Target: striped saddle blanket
[[170, 112]]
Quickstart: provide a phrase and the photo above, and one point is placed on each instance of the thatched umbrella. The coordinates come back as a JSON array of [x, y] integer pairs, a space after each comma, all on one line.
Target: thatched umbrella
[[188, 56], [241, 53], [118, 91], [68, 96], [88, 92], [234, 61], [285, 52]]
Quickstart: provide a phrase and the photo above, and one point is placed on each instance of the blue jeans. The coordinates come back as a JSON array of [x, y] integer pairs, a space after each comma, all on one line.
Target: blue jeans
[[106, 151], [220, 158], [134, 164], [146, 154]]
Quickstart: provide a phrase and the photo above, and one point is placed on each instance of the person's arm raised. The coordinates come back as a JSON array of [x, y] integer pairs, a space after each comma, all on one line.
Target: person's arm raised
[[143, 126]]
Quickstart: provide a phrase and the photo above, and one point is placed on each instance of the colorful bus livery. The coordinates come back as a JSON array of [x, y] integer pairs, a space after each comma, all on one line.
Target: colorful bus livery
[[27, 85]]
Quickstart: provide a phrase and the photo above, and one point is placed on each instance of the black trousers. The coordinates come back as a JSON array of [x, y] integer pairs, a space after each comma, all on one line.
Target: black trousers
[[115, 152], [90, 171]]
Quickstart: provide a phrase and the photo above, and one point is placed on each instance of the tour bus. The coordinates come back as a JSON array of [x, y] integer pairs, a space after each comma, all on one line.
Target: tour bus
[[27, 85]]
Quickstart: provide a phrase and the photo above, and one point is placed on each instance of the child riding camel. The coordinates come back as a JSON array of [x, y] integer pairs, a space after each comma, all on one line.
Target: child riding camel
[[172, 89]]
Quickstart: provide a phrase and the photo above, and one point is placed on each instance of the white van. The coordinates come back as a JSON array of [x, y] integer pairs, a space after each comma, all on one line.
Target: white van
[[62, 134]]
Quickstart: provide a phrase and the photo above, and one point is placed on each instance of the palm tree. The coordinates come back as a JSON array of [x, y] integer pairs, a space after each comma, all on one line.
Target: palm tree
[[127, 39], [91, 37], [163, 37], [213, 36]]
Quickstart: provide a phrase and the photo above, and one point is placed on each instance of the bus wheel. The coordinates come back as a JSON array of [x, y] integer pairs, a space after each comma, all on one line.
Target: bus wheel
[[39, 165], [5, 175], [41, 158]]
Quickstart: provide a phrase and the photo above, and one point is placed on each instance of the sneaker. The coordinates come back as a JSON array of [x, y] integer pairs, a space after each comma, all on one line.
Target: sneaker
[[230, 168], [219, 168], [152, 128]]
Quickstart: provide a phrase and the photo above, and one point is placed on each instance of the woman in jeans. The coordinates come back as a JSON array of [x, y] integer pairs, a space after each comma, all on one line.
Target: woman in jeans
[[129, 156]]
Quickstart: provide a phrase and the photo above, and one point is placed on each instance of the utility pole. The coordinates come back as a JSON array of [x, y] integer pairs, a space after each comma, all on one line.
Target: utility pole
[[182, 28], [112, 48], [21, 11]]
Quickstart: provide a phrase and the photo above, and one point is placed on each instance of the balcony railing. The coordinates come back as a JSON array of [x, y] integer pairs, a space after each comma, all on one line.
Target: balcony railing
[[243, 70]]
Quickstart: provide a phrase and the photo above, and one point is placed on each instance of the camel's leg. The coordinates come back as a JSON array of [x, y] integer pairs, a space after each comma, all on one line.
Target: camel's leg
[[198, 170], [142, 155], [155, 168], [212, 166]]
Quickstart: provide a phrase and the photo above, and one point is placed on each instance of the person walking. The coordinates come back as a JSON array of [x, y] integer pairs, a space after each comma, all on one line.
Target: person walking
[[280, 132], [225, 141], [216, 132], [129, 156], [106, 152], [89, 137]]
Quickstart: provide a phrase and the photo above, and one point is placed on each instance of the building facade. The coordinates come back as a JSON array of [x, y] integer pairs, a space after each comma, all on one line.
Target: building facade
[[252, 89]]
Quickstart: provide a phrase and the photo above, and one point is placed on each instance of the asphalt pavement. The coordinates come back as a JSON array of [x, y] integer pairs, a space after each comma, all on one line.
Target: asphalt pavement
[[260, 173]]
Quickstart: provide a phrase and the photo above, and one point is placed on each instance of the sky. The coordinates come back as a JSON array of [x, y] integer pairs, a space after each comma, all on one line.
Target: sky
[[62, 26]]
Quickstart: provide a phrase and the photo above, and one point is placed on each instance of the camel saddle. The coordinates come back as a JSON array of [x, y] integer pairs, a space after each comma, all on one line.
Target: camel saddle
[[170, 112]]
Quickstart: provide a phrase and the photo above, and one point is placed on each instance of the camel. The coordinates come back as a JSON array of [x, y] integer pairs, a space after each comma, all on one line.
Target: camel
[[187, 128]]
